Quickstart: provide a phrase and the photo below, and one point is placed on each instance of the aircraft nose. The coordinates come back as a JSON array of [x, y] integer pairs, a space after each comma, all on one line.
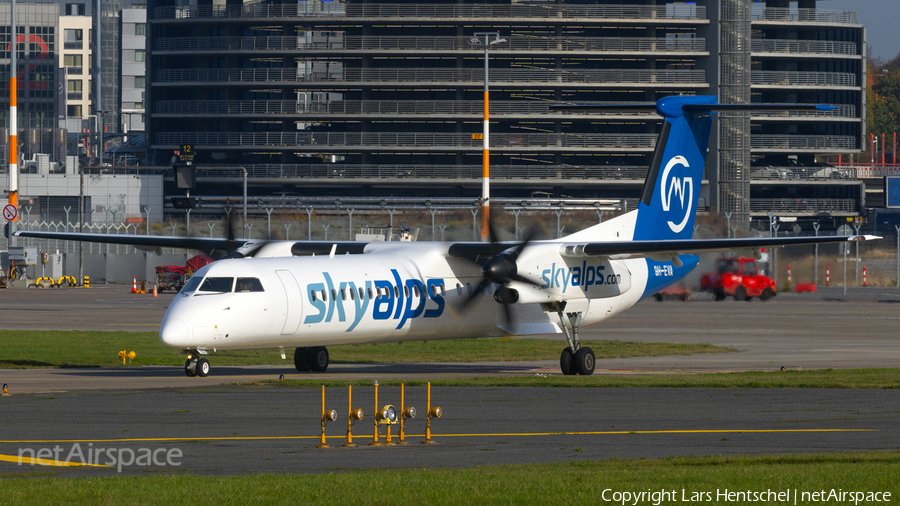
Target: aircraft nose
[[174, 332]]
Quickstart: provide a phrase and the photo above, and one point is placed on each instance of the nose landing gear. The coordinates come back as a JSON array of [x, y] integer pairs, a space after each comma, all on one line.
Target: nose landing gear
[[575, 359], [196, 366]]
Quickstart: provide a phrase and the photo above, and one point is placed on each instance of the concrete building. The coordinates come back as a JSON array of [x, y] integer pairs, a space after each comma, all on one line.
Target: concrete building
[[76, 64], [386, 98]]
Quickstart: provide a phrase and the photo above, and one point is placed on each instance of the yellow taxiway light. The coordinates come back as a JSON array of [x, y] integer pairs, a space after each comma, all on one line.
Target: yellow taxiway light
[[432, 413], [124, 355], [327, 416], [352, 414]]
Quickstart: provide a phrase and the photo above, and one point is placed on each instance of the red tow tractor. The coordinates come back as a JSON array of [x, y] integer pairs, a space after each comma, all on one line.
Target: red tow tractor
[[173, 277], [738, 278]]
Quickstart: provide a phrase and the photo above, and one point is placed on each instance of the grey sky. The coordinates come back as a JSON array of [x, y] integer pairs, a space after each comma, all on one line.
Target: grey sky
[[880, 19]]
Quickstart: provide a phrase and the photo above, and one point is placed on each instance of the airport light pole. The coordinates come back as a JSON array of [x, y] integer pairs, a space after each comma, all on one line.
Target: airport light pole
[[486, 169], [13, 126]]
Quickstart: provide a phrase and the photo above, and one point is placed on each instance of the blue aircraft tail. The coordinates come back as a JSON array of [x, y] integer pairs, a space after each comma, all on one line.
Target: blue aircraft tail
[[669, 198], [668, 202]]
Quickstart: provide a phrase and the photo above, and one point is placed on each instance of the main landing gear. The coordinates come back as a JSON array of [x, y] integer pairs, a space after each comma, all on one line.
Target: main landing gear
[[195, 365], [575, 359], [311, 359]]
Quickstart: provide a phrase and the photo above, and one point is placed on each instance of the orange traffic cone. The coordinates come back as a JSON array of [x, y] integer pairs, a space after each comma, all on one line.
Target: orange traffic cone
[[154, 291], [134, 285]]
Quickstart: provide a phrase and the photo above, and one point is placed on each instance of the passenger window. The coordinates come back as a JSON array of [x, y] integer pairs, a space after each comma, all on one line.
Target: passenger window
[[333, 294], [370, 292], [324, 295], [362, 293], [248, 285], [458, 289], [406, 291], [312, 295], [469, 288], [352, 294], [416, 290], [443, 290], [396, 292], [220, 285], [343, 294]]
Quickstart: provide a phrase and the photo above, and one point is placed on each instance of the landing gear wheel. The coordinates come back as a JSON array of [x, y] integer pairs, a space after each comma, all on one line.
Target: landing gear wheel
[[567, 362], [190, 369], [299, 362], [202, 368], [740, 294], [584, 361], [766, 294], [318, 358], [719, 294]]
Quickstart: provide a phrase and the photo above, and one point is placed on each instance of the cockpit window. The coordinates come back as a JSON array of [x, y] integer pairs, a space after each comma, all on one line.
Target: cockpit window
[[248, 285], [191, 285], [219, 285]]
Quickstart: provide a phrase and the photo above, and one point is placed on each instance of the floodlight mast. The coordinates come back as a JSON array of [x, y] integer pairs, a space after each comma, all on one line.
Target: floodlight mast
[[485, 157]]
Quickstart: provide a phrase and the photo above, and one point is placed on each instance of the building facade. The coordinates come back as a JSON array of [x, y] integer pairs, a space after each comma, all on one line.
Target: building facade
[[386, 98]]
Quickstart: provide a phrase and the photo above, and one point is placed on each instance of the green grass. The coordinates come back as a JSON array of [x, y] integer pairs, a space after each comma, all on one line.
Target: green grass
[[821, 378], [34, 348], [581, 482]]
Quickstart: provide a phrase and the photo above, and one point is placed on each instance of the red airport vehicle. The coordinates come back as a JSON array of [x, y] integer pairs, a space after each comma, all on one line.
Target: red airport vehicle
[[173, 277], [738, 278]]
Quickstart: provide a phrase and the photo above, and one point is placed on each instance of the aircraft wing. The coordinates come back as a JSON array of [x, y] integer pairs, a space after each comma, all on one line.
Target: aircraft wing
[[145, 241], [653, 249], [661, 249], [206, 244]]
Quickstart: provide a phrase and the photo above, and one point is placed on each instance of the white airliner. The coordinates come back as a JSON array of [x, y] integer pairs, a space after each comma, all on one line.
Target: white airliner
[[308, 295]]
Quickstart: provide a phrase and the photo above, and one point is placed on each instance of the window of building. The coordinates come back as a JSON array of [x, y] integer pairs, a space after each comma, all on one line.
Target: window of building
[[140, 55], [140, 82], [74, 64], [74, 9], [140, 29], [138, 105], [47, 34], [75, 89], [74, 38], [73, 111]]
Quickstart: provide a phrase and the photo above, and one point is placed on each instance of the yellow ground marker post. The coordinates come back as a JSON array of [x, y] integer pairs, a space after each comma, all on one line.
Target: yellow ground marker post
[[351, 415], [375, 417], [327, 416], [432, 413]]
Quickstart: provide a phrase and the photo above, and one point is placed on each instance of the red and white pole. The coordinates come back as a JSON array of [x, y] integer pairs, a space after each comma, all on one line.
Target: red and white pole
[[789, 274], [827, 274], [864, 275], [13, 119], [486, 145]]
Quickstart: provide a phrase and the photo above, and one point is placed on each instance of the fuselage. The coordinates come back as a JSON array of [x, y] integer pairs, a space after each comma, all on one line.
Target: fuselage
[[398, 292]]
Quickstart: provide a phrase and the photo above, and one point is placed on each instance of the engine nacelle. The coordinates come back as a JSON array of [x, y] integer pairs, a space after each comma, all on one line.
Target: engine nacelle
[[574, 278]]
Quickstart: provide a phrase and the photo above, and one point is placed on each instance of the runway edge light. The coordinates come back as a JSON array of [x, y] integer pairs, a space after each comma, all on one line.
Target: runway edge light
[[435, 412], [327, 416], [352, 414], [405, 413]]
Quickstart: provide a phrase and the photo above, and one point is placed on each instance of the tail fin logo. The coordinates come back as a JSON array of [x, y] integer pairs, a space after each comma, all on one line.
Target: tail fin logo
[[683, 188]]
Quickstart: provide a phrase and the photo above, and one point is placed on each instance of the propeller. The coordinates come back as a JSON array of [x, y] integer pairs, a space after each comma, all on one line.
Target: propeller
[[501, 269], [233, 245]]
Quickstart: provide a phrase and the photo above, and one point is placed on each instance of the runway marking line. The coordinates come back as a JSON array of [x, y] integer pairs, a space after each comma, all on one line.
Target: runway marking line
[[274, 438], [45, 462]]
